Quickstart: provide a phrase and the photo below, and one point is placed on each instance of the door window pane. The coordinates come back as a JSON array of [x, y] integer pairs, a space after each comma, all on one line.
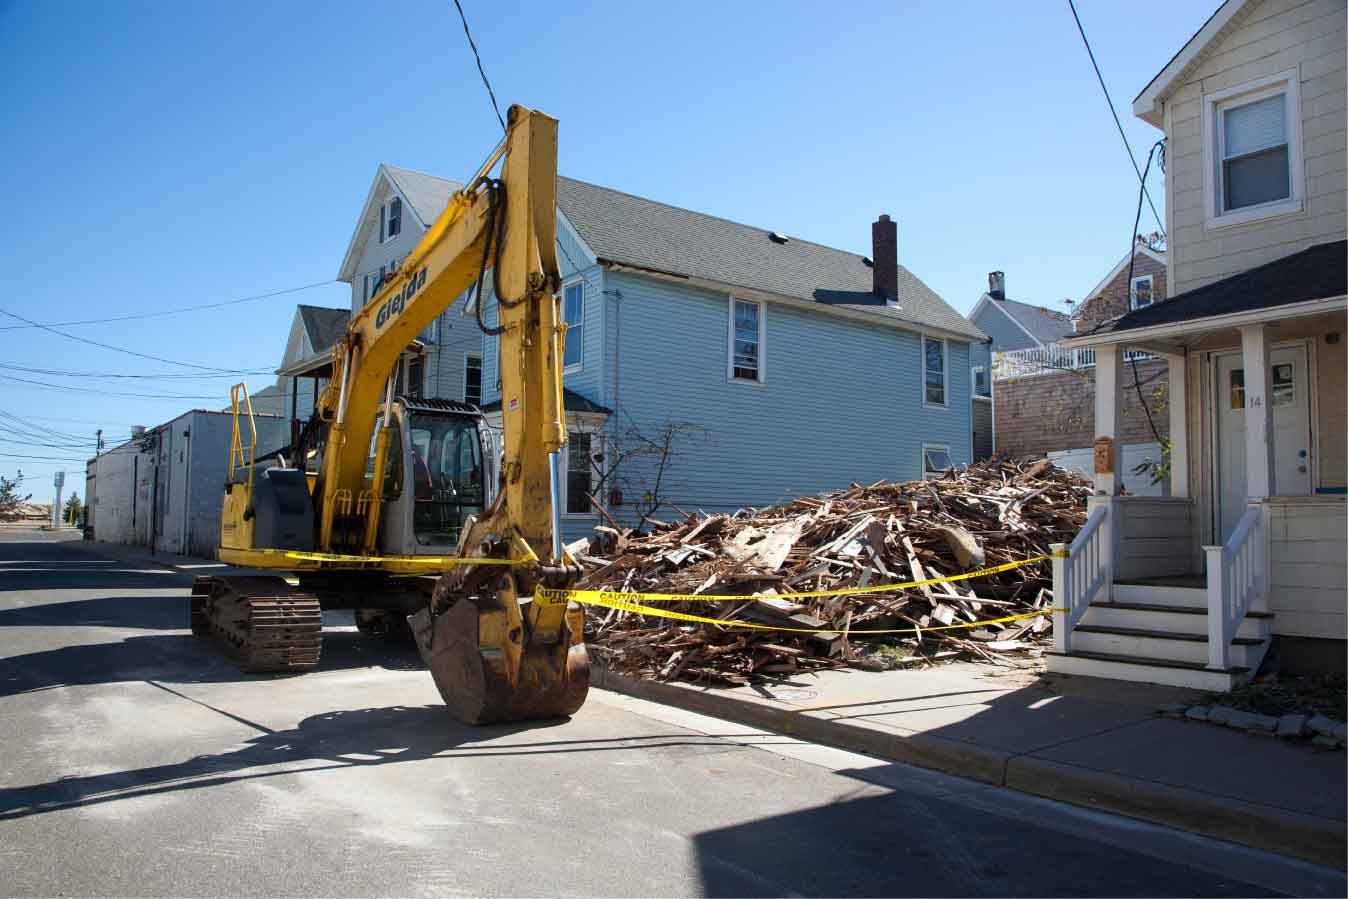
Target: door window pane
[[1237, 388], [1284, 386]]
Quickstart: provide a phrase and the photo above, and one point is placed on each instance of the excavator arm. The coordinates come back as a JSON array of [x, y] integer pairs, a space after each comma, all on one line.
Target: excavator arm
[[495, 652]]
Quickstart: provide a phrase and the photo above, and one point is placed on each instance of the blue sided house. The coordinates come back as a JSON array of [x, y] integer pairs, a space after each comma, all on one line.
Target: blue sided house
[[712, 365]]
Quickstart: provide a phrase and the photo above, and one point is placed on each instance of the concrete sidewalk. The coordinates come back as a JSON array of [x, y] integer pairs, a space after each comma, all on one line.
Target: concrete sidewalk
[[1091, 742], [139, 555]]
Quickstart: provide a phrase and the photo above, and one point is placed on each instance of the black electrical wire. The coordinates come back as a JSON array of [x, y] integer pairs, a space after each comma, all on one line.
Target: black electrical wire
[[175, 376], [178, 311], [1118, 124], [108, 346], [1132, 258], [481, 71], [151, 396]]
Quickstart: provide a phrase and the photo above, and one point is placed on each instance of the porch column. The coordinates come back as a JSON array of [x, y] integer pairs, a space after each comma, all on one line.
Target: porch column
[[1108, 412], [1258, 416], [1178, 401]]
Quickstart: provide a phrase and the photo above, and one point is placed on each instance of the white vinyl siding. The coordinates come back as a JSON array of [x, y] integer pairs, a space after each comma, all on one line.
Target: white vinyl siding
[[934, 382], [1275, 38], [573, 313], [746, 358]]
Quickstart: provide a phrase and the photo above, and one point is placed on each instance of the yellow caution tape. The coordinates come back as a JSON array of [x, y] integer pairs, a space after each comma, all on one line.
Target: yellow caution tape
[[427, 561], [611, 601], [558, 596]]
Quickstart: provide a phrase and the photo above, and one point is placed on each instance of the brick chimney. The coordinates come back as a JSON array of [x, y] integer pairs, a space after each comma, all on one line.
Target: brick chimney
[[885, 254], [997, 285]]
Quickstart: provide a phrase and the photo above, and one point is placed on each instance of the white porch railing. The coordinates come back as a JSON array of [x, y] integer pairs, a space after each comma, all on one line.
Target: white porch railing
[[1081, 570], [1237, 582], [1048, 359]]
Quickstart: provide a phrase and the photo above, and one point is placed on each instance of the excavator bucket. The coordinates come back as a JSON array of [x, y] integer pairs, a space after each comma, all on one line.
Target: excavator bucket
[[487, 673]]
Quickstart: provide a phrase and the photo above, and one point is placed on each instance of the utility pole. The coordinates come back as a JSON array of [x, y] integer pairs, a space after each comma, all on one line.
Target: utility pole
[[60, 481], [98, 447]]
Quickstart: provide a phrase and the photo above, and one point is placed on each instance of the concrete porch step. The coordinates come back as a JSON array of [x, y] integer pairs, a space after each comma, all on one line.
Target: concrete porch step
[[1165, 646], [1169, 619], [1193, 675]]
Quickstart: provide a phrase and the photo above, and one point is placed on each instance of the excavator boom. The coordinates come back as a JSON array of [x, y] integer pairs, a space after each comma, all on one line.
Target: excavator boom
[[495, 652]]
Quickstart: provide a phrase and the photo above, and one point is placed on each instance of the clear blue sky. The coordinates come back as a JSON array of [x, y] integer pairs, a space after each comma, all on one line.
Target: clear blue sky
[[175, 153]]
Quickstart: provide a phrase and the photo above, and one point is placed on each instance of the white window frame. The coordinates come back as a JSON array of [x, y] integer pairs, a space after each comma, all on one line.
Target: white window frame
[[945, 372], [386, 218], [481, 377], [973, 377], [596, 446], [1288, 82], [935, 447], [1151, 291], [579, 329], [762, 341]]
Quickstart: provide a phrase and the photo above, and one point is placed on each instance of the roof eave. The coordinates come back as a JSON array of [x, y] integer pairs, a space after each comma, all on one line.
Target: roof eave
[[1148, 105], [1210, 323]]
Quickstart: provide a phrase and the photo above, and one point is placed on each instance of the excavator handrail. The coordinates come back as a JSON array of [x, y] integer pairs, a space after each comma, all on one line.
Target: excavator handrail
[[236, 457]]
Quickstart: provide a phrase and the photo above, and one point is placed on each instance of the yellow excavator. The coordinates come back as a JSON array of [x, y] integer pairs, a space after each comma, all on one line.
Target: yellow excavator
[[404, 509]]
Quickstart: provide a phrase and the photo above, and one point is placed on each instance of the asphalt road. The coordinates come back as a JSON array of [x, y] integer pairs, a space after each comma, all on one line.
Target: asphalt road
[[135, 761]]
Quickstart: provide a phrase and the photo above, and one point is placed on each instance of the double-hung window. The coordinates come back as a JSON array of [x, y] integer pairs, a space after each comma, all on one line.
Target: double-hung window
[[980, 379], [390, 219], [1140, 294], [472, 379], [573, 313], [1252, 143], [746, 340], [579, 475], [933, 371]]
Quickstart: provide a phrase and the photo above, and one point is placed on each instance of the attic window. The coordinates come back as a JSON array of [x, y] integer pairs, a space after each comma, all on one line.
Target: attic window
[[390, 219], [777, 237]]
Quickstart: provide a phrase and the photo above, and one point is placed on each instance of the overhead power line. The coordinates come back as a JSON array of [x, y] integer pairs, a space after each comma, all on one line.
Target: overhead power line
[[154, 396], [156, 376], [117, 349], [481, 71], [1118, 124], [179, 311]]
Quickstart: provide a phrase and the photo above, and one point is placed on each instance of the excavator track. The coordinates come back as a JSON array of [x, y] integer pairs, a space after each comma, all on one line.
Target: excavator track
[[263, 622]]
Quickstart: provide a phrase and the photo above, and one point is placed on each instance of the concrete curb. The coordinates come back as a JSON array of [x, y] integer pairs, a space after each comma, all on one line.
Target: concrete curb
[[1308, 837]]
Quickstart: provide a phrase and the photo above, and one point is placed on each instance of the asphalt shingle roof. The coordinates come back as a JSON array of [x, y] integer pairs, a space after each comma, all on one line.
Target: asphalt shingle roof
[[635, 231], [1046, 325], [1315, 273], [324, 326], [632, 230]]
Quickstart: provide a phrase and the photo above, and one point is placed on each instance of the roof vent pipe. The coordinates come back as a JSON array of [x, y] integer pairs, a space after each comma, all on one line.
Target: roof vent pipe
[[997, 285]]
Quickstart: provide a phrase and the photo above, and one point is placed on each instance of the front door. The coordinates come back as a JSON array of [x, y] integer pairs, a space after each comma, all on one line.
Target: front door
[[1291, 431]]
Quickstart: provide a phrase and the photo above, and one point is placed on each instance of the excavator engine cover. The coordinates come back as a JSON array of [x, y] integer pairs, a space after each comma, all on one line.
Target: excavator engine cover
[[473, 671]]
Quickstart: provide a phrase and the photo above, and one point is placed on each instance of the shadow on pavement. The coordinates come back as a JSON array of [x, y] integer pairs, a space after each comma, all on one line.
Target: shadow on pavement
[[904, 844], [332, 740], [181, 658]]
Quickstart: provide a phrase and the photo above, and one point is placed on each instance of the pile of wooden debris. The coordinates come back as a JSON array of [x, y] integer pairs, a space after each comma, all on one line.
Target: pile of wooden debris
[[982, 516]]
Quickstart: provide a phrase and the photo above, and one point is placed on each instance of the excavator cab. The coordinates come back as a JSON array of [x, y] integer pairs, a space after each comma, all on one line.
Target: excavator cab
[[439, 475]]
